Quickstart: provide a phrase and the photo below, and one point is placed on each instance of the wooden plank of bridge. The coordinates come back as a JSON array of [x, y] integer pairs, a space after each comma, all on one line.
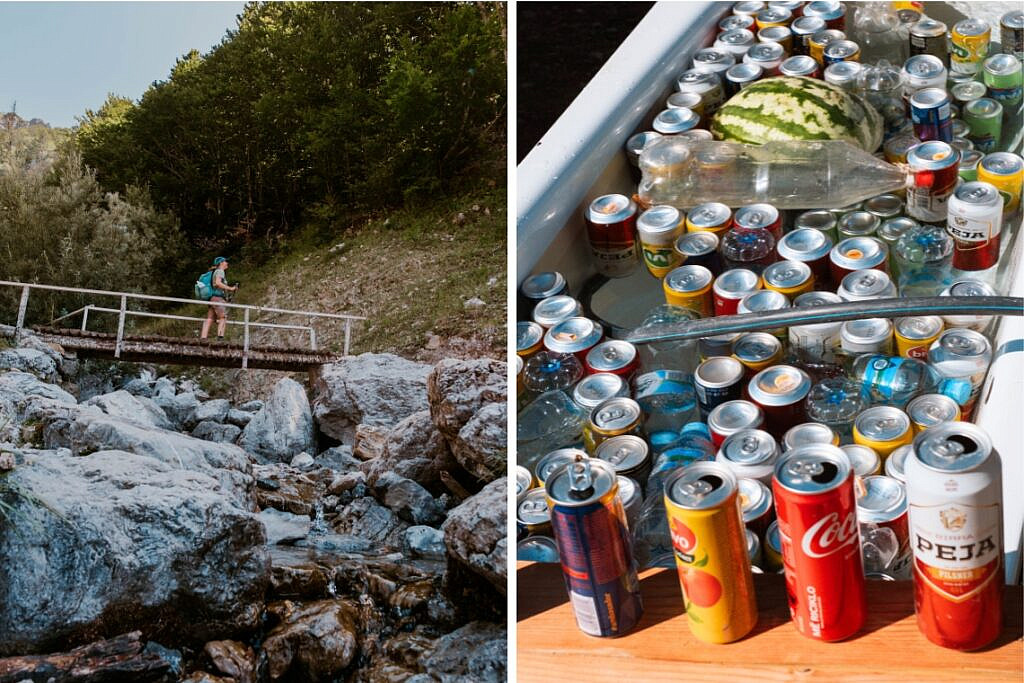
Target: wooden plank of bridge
[[889, 648]]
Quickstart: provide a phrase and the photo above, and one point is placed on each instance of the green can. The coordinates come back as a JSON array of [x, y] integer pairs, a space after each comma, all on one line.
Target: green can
[[985, 118], [1004, 79], [969, 164]]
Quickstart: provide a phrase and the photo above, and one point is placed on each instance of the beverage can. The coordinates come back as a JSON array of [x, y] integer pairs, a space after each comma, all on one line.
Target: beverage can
[[800, 65], [931, 116], [747, 8], [538, 287], [963, 354], [978, 323], [712, 217], [884, 530], [757, 351], [790, 278], [756, 504], [753, 549], [780, 391], [707, 84], [574, 335], [715, 381], [731, 417], [867, 335], [595, 548], [735, 21], [841, 51], [817, 523], [658, 228], [974, 223], [529, 338], [596, 388], [772, 552], [803, 29], [808, 433], [965, 93], [820, 41], [689, 286], [895, 148], [737, 41], [780, 35], [968, 45], [524, 481], [553, 310], [713, 59], [865, 285], [928, 410], [759, 216], [915, 334], [969, 161], [896, 461], [675, 120], [731, 286], [857, 224], [843, 74], [928, 37], [984, 117], [768, 56], [611, 231], [857, 253], [615, 417], [699, 249], [884, 206], [954, 491], [1004, 77], [933, 166], [1005, 170], [537, 549], [1011, 33], [629, 456], [863, 459], [532, 513], [718, 345], [550, 463], [636, 143], [749, 454], [709, 543], [883, 429], [614, 356], [923, 71], [810, 245], [773, 16], [763, 301], [832, 11], [632, 501]]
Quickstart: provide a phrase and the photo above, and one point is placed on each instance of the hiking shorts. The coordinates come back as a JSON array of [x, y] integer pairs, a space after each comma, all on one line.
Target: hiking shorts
[[219, 311]]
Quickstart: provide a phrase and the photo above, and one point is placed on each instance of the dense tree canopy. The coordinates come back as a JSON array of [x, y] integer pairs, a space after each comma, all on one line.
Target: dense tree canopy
[[307, 111]]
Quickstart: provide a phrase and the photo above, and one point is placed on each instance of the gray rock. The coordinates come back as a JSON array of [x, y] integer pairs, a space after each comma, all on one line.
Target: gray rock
[[425, 541], [163, 387], [346, 482], [253, 406], [215, 410], [407, 499], [239, 418], [119, 542], [284, 527], [17, 386], [314, 642], [180, 409], [481, 446], [138, 410], [339, 459], [283, 427], [216, 432], [302, 461], [365, 518], [139, 387], [474, 653], [30, 360], [475, 533], [416, 450], [457, 389], [378, 389]]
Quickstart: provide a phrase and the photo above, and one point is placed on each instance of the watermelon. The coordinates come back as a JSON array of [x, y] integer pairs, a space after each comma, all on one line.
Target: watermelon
[[798, 108]]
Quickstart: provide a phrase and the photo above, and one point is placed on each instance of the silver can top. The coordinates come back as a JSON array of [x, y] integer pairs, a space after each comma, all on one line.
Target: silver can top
[[765, 52], [929, 98], [786, 274], [953, 447], [755, 347], [813, 469], [919, 327], [610, 208], [923, 67], [734, 21], [611, 355], [756, 216], [964, 348], [547, 465], [978, 193], [808, 25], [750, 447], [1014, 19], [553, 310], [892, 228], [737, 281], [523, 480], [817, 299], [896, 461], [629, 491], [735, 37], [732, 416], [843, 73], [855, 253], [928, 410], [718, 371], [581, 483], [884, 206], [881, 499], [821, 219], [779, 385], [690, 100], [798, 65], [533, 508], [528, 334], [863, 459], [969, 288], [573, 334], [542, 285], [696, 243], [859, 224], [807, 433], [763, 300], [882, 423], [971, 26], [927, 27], [595, 389], [747, 7], [866, 284], [625, 452], [755, 498], [774, 15], [692, 80], [984, 107], [747, 72], [841, 49], [1001, 163], [806, 243], [866, 331], [675, 120], [700, 485], [932, 155], [713, 59], [615, 414], [774, 34], [709, 215]]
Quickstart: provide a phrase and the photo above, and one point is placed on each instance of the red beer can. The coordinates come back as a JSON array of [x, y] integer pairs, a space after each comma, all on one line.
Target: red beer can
[[817, 513], [731, 286], [615, 356], [763, 216], [780, 391]]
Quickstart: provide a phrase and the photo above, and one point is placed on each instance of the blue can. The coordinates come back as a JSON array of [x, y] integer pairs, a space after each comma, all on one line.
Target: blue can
[[931, 115], [595, 548]]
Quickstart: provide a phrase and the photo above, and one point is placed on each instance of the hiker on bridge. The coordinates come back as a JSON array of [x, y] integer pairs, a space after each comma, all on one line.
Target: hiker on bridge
[[219, 287]]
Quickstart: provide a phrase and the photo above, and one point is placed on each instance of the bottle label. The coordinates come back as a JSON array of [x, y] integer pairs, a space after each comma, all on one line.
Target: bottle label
[[880, 374], [957, 547]]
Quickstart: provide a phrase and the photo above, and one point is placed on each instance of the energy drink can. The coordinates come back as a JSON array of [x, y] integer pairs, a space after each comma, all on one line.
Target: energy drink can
[[928, 410], [975, 221], [934, 168], [984, 116], [790, 278], [595, 548], [701, 502], [731, 417], [750, 454], [883, 429], [757, 351], [884, 534], [930, 113], [658, 228], [915, 334], [629, 456], [699, 249], [611, 230], [715, 381], [955, 494], [928, 37], [863, 459], [712, 217], [689, 286], [803, 29], [731, 286], [968, 43]]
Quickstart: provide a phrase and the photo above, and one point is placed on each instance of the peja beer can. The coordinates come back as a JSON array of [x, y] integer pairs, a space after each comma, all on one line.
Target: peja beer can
[[954, 488], [817, 514], [702, 505], [884, 536], [975, 221], [595, 548]]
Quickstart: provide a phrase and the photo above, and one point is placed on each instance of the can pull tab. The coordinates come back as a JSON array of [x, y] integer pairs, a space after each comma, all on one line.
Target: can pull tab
[[581, 479]]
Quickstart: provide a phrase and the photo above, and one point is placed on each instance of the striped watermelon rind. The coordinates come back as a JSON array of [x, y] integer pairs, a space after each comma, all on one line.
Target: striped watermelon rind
[[797, 108]]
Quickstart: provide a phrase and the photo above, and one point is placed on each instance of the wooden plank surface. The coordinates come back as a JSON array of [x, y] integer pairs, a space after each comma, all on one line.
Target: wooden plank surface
[[889, 648]]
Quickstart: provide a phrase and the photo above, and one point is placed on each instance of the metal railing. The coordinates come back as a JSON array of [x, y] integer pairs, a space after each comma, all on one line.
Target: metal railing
[[123, 312]]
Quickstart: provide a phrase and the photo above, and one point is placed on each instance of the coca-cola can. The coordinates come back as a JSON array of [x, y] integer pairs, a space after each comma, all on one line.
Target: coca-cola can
[[817, 513], [954, 488], [732, 417], [884, 534]]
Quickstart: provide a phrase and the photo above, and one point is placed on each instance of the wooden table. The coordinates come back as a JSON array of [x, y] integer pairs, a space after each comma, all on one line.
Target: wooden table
[[890, 648]]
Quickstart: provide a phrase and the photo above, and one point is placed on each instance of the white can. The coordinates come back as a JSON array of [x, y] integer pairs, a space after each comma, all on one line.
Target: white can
[[963, 354], [865, 285], [869, 335], [978, 323]]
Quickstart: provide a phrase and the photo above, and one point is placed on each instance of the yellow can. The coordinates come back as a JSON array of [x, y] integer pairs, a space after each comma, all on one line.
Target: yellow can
[[915, 334], [791, 278], [710, 547], [773, 16], [818, 41], [690, 287], [968, 45], [772, 549], [529, 338], [709, 217], [658, 228], [614, 417], [757, 351], [1005, 170], [883, 429]]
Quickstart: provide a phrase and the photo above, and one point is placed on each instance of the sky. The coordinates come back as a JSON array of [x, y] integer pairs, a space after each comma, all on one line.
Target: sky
[[58, 59]]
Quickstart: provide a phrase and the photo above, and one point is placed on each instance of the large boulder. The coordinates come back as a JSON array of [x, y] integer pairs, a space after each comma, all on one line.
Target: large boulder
[[180, 408], [407, 499], [474, 653], [284, 527], [290, 490], [457, 389], [215, 411], [314, 642], [31, 361], [413, 449], [18, 386], [366, 518], [99, 545], [137, 409], [209, 430], [283, 427], [379, 389], [481, 446], [475, 533]]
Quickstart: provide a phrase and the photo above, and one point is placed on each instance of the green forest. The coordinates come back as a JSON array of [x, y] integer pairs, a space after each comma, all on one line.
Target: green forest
[[307, 119]]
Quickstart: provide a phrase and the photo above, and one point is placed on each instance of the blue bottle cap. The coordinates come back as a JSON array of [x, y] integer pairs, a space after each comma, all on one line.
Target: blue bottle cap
[[957, 389]]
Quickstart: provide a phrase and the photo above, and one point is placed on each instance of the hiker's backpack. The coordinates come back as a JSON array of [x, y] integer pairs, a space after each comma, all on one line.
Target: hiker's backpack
[[204, 286]]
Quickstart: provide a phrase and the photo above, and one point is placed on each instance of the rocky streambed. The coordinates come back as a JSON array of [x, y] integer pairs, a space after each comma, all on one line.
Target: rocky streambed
[[349, 531]]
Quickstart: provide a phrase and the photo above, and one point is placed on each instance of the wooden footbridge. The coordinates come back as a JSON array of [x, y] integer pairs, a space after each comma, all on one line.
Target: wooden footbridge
[[187, 350]]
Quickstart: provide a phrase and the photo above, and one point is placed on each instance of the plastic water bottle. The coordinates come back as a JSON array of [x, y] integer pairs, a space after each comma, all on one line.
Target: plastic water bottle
[[550, 421], [893, 381], [789, 174], [925, 257], [876, 30], [651, 541]]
